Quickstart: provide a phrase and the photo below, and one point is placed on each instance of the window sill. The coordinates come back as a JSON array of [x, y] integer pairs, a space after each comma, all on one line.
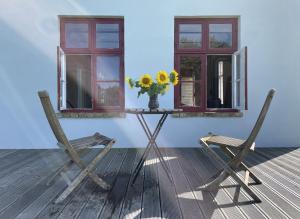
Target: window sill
[[207, 114], [91, 115]]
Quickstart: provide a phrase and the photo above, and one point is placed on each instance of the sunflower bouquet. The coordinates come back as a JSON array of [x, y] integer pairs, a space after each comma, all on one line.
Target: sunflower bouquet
[[147, 85]]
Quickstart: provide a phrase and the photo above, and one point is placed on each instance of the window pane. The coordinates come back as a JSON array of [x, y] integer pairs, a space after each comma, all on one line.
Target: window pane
[[220, 35], [190, 94], [108, 94], [107, 36], [77, 35], [78, 68], [219, 86], [108, 68], [190, 68], [190, 35]]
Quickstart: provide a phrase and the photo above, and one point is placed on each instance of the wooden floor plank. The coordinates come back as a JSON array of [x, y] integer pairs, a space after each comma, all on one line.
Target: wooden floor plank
[[289, 153], [284, 158], [52, 210], [295, 152], [279, 162], [286, 198], [28, 181], [23, 193], [221, 196], [132, 203], [74, 207], [93, 207], [19, 159], [120, 209], [186, 198], [170, 206], [267, 205], [205, 200], [115, 198], [151, 196], [30, 169], [6, 152], [279, 170]]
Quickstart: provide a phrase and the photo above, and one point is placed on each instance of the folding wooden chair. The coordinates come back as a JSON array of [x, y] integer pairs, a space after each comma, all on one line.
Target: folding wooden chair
[[75, 149], [242, 147]]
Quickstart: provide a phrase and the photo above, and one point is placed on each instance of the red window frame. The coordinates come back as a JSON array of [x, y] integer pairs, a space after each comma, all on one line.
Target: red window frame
[[203, 52], [94, 52]]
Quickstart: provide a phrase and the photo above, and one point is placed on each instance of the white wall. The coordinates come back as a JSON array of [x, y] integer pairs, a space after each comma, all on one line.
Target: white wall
[[29, 36]]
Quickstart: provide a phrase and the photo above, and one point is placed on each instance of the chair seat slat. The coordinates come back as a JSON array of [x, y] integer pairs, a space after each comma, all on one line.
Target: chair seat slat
[[227, 141], [90, 141]]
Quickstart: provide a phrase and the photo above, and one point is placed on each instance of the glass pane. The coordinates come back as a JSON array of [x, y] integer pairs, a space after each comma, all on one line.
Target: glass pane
[[107, 36], [190, 35], [108, 94], [190, 94], [190, 68], [108, 68], [220, 35], [78, 68], [77, 35], [219, 86]]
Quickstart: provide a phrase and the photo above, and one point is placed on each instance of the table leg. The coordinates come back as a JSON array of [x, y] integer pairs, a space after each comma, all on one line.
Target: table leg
[[152, 143], [148, 147], [152, 138]]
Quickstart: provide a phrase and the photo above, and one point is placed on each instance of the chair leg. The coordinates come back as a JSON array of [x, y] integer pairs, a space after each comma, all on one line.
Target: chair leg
[[87, 171], [58, 172], [245, 187], [242, 166], [227, 171], [72, 186], [92, 166], [214, 184]]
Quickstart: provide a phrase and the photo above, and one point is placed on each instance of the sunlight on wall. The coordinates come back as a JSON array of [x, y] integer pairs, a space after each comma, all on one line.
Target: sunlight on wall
[[19, 109]]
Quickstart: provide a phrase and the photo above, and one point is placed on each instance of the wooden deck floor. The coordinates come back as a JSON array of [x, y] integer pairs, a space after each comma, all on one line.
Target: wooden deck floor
[[24, 194]]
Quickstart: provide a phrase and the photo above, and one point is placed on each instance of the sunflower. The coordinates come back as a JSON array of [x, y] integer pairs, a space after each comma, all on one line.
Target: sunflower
[[162, 77], [174, 77], [145, 81]]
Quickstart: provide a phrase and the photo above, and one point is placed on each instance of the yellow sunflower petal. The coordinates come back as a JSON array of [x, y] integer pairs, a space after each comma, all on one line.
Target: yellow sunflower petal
[[162, 77], [146, 81]]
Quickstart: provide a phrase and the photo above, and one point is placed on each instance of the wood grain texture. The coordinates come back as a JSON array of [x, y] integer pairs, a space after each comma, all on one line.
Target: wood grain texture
[[24, 194]]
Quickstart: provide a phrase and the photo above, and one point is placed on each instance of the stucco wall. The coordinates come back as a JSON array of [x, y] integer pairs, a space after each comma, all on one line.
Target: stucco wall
[[29, 35]]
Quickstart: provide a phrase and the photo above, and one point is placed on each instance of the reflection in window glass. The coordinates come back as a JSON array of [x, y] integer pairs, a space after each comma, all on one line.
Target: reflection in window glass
[[220, 35], [76, 35], [190, 35], [78, 68], [190, 93], [107, 36], [108, 94], [108, 68], [190, 74], [190, 67]]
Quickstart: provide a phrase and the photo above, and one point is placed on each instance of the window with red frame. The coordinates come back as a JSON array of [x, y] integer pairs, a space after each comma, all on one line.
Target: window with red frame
[[91, 64], [213, 73]]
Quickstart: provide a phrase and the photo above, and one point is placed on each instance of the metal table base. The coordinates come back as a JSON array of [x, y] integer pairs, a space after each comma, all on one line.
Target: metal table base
[[152, 139]]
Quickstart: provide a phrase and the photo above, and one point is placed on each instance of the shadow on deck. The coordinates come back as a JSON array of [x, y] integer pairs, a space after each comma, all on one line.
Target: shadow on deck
[[24, 194]]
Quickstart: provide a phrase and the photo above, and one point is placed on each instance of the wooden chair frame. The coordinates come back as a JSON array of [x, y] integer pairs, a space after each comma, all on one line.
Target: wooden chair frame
[[75, 149], [236, 162]]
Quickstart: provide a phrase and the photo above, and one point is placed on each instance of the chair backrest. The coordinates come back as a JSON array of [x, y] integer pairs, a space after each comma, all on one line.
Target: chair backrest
[[54, 123], [250, 140]]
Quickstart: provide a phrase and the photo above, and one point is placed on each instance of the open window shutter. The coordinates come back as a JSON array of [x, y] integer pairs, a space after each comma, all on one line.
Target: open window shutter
[[239, 79], [62, 79]]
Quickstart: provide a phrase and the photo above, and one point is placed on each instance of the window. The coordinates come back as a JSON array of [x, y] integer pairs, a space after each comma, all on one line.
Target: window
[[212, 70], [91, 64]]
